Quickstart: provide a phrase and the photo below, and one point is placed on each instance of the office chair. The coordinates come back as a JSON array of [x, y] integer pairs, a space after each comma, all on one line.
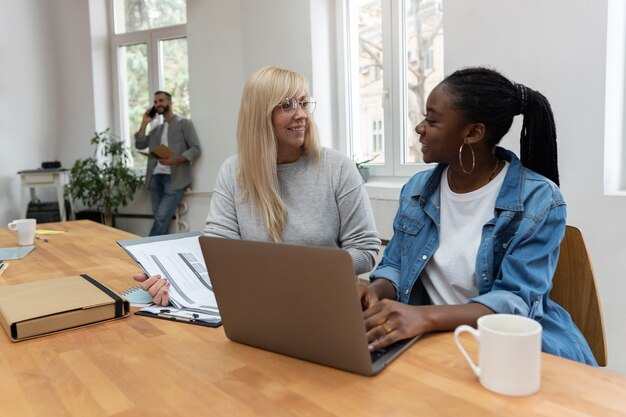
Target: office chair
[[574, 288]]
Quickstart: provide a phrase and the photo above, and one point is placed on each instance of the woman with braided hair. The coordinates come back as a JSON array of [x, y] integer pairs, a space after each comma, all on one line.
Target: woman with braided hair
[[479, 233]]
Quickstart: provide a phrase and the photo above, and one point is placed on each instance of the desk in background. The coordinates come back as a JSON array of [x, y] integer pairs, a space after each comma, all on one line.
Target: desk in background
[[43, 178], [145, 367]]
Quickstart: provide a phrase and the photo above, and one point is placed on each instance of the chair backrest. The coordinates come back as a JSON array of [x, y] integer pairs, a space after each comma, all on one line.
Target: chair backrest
[[574, 288]]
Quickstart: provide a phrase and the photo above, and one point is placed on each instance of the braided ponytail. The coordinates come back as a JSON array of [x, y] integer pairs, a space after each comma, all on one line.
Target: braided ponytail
[[538, 137]]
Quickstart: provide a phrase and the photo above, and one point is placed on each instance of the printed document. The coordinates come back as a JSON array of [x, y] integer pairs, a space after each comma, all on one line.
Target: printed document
[[180, 261]]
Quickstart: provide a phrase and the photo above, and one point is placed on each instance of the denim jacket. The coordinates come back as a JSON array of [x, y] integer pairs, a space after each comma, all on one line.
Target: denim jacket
[[516, 259]]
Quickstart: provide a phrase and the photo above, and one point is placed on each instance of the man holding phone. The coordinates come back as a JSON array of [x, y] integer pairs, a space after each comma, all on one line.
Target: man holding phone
[[167, 178]]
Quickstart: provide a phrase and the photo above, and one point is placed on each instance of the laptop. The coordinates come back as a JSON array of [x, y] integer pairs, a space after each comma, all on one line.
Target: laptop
[[299, 301]]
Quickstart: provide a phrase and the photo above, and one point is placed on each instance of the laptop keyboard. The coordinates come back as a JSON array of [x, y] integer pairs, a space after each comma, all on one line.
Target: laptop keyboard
[[381, 358], [377, 354]]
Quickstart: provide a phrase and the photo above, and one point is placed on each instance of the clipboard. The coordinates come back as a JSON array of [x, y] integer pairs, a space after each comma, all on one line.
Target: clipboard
[[165, 314]]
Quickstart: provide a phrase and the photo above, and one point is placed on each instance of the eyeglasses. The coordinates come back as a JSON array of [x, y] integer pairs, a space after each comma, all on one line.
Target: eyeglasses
[[289, 105]]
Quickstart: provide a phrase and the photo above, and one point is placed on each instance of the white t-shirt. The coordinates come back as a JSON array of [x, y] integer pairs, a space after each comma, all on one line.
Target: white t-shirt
[[163, 169], [449, 277]]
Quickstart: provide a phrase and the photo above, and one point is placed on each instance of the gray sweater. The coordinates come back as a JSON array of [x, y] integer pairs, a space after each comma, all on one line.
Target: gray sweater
[[327, 207]]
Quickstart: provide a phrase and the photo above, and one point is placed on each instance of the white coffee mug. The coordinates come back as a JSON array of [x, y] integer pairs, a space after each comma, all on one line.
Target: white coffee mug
[[25, 229], [509, 353]]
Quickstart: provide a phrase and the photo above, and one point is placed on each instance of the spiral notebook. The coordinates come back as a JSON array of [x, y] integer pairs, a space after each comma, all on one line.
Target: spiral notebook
[[137, 296]]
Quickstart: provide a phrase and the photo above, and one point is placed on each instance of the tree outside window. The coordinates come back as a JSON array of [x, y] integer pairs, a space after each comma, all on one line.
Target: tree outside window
[[391, 71]]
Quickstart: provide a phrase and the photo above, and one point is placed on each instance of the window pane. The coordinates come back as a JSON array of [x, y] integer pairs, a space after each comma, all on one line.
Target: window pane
[[175, 73], [424, 51], [135, 97], [135, 15], [367, 100]]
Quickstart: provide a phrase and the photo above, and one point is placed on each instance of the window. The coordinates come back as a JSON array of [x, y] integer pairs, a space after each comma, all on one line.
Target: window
[[615, 101], [393, 58], [377, 136], [150, 54]]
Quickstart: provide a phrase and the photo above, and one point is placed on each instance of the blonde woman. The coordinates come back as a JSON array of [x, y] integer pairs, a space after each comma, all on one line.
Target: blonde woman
[[282, 186]]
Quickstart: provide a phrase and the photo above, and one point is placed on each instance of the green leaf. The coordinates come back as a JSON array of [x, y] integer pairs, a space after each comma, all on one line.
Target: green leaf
[[104, 182]]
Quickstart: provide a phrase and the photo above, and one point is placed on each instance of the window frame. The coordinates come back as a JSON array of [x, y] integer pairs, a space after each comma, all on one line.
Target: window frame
[[152, 39], [614, 173], [394, 87]]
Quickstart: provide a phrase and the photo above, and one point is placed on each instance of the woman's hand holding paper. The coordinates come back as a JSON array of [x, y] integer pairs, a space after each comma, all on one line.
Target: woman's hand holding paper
[[156, 286]]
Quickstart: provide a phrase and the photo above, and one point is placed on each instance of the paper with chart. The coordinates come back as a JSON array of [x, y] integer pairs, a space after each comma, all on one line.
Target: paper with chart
[[180, 261]]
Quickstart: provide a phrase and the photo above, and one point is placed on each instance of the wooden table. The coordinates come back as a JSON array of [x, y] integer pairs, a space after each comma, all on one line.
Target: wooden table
[[140, 366]]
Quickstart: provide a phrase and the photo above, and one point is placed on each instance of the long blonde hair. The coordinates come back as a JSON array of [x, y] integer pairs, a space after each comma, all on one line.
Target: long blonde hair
[[257, 146]]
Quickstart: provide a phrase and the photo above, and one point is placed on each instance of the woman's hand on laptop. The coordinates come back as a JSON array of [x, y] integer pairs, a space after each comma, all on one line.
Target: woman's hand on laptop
[[368, 296], [389, 321], [374, 292], [156, 286]]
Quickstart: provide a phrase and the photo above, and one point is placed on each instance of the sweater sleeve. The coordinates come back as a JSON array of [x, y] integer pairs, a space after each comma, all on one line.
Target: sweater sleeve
[[191, 139], [358, 234], [142, 142], [222, 218]]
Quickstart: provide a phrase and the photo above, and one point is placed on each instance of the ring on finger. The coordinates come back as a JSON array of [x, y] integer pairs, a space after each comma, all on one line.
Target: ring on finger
[[387, 327]]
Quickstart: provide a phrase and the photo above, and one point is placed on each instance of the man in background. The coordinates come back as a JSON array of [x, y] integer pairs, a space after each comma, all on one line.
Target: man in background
[[167, 178]]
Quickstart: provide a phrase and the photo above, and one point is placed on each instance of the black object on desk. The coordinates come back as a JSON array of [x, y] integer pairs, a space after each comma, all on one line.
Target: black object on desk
[[51, 165]]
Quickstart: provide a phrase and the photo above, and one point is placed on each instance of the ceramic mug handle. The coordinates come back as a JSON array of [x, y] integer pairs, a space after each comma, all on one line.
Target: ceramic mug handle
[[12, 226], [473, 332]]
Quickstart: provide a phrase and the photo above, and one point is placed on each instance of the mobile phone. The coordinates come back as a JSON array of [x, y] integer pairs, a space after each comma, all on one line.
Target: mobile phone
[[152, 112]]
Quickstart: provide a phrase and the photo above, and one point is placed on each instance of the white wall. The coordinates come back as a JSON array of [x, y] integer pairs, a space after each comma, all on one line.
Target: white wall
[[47, 102], [46, 91], [28, 128]]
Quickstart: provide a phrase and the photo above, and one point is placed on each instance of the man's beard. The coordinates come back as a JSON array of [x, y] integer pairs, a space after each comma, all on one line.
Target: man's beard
[[165, 109]]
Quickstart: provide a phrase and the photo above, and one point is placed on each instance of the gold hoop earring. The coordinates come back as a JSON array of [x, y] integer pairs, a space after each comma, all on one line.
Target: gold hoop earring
[[461, 159]]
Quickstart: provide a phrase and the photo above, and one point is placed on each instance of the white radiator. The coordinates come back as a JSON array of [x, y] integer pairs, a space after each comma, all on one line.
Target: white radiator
[[384, 213]]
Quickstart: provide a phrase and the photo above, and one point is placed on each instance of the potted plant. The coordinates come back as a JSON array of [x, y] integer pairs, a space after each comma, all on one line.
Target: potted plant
[[364, 170], [104, 182]]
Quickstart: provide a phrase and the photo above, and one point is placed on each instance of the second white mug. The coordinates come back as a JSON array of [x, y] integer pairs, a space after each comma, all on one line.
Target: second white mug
[[509, 353], [25, 229]]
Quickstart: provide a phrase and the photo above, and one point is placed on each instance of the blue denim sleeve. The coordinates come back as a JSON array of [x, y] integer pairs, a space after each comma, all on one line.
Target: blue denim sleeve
[[387, 272], [525, 274]]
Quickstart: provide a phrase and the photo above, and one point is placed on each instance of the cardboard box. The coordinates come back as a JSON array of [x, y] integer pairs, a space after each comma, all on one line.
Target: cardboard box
[[53, 305]]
